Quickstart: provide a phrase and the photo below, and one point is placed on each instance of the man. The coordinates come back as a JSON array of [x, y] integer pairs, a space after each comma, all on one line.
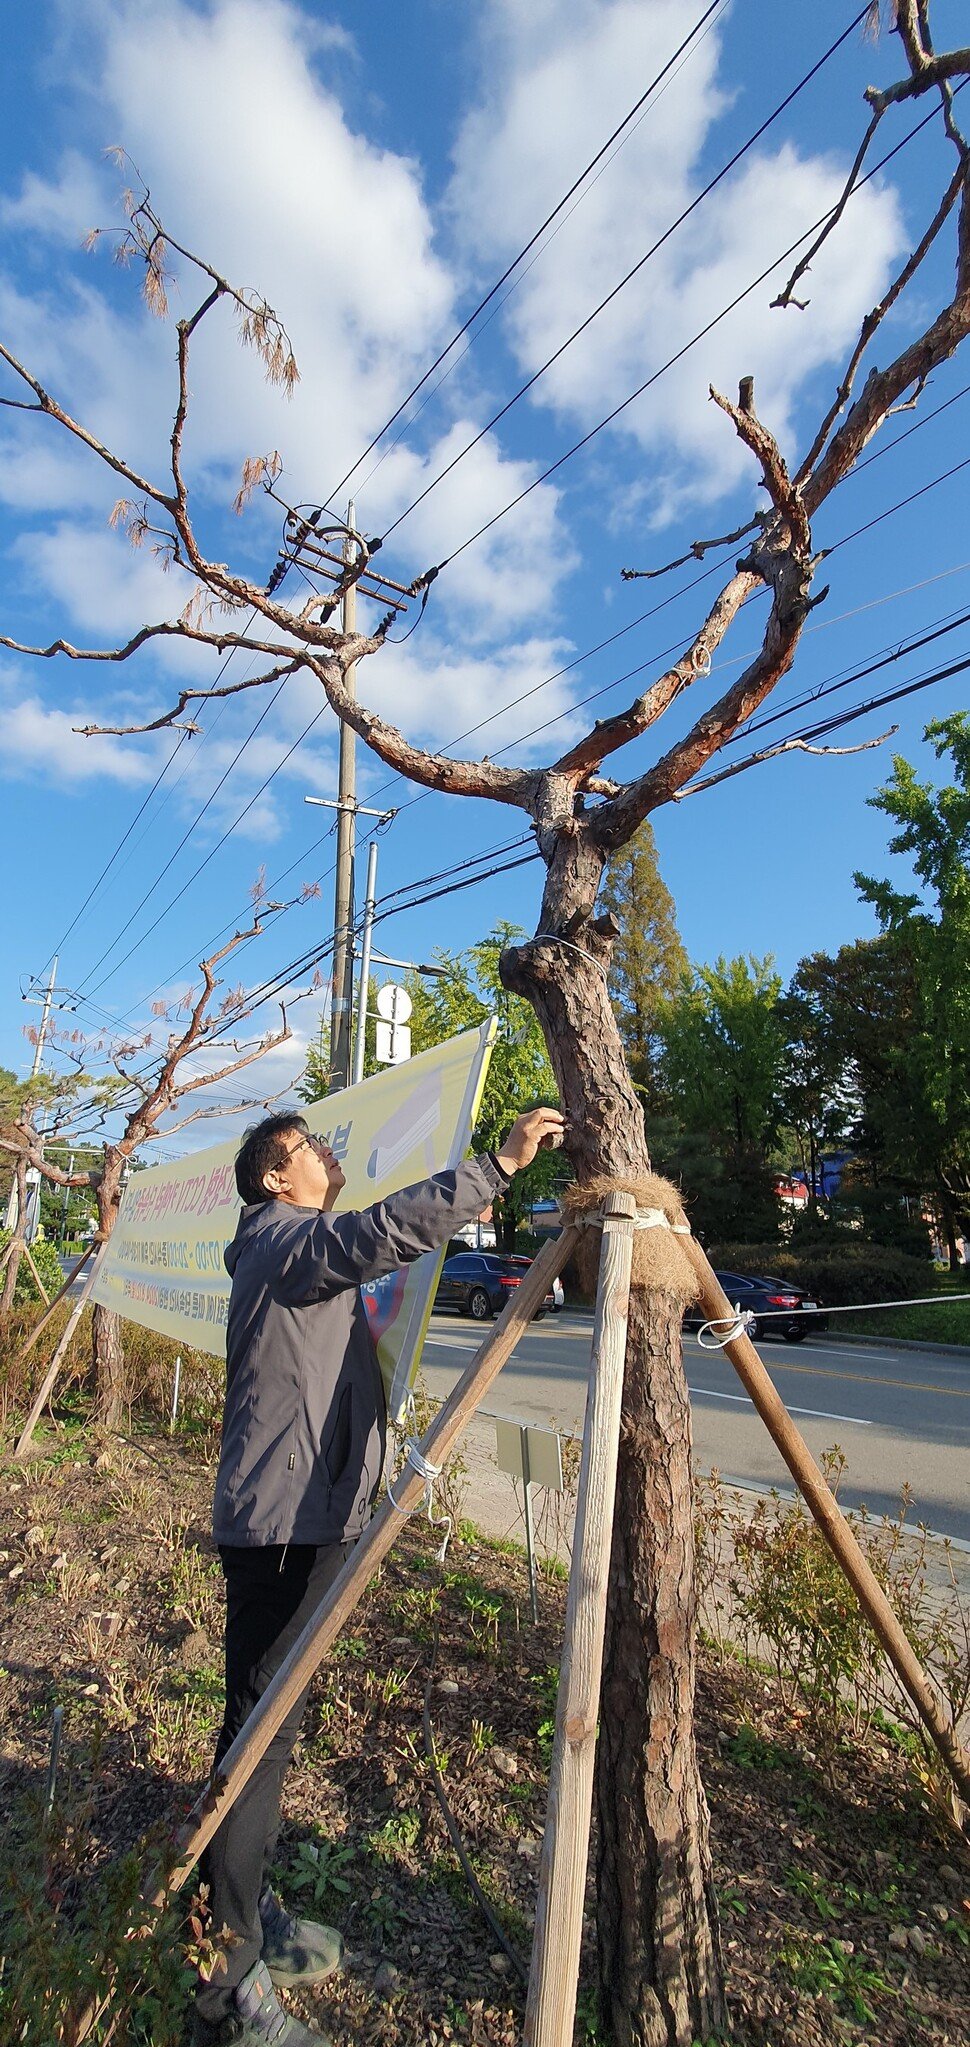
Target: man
[[302, 1455]]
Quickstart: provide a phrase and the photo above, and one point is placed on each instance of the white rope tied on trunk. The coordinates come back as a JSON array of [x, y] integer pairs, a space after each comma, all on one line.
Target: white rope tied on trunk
[[644, 1219], [553, 938]]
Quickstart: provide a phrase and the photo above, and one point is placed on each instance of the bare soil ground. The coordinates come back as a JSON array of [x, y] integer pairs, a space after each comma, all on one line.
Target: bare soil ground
[[843, 1893]]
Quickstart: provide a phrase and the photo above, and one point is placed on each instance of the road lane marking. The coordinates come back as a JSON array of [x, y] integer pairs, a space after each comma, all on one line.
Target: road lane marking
[[775, 1365], [820, 1413], [868, 1379]]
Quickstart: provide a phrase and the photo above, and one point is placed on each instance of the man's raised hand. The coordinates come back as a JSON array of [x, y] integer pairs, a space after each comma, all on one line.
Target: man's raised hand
[[536, 1130]]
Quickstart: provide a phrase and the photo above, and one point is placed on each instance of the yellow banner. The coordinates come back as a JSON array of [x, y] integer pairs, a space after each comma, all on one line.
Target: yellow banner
[[163, 1264]]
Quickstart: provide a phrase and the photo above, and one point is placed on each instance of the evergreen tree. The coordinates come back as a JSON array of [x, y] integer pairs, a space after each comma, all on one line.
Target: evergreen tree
[[648, 960], [723, 1064]]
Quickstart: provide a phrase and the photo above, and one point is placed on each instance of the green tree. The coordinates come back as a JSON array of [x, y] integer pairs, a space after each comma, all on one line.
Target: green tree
[[900, 1003], [519, 1073], [649, 961], [723, 1063]]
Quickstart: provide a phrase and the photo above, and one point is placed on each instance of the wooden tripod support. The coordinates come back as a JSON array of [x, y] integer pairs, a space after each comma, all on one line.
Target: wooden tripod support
[[551, 2003], [46, 1386]]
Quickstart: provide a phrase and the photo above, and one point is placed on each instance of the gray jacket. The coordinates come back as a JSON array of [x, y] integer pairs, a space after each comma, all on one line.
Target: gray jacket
[[304, 1424]]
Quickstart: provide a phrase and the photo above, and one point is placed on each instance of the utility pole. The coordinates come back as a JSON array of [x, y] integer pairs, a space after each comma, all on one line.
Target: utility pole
[[341, 1001], [47, 999], [32, 1219], [353, 810], [370, 900]]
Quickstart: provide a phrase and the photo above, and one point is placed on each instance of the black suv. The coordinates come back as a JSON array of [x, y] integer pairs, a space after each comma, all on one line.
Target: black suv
[[774, 1303], [478, 1283]]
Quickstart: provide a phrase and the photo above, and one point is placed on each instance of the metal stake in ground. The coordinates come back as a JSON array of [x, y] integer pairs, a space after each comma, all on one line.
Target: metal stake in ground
[[551, 2007]]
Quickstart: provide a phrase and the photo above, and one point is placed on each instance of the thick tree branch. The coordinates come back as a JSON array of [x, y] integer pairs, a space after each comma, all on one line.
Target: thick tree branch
[[931, 71], [610, 733], [433, 770]]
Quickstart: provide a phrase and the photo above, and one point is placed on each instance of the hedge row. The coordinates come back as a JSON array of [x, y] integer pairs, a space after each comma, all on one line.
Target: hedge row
[[842, 1277]]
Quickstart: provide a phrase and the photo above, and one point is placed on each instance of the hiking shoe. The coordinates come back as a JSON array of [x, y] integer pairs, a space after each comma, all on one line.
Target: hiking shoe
[[296, 1951], [257, 2019]]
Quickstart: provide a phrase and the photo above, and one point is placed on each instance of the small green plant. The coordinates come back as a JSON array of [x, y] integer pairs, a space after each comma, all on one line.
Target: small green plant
[[396, 1838], [805, 1883], [382, 1916], [730, 1900], [316, 1873], [843, 1978], [486, 1614], [751, 1751], [482, 1738]]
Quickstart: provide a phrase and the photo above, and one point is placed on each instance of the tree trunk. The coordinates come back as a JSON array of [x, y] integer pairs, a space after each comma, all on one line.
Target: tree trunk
[[660, 1979], [111, 1389], [110, 1379], [659, 1964], [17, 1241]]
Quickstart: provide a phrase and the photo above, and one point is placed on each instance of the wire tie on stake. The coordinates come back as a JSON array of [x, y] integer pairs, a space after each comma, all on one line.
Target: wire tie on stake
[[733, 1326], [414, 1457]]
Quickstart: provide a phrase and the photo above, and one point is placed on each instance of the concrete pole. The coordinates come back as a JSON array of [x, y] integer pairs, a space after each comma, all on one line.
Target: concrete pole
[[341, 1003], [32, 1219], [45, 1019], [369, 906]]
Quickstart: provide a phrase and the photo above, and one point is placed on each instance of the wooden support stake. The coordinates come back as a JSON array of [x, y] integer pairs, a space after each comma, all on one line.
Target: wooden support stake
[[551, 2006], [334, 1611], [68, 1283], [32, 1262], [47, 1385], [823, 1505]]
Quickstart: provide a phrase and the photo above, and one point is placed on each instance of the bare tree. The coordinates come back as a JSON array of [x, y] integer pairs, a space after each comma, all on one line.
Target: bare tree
[[660, 1971], [143, 1097]]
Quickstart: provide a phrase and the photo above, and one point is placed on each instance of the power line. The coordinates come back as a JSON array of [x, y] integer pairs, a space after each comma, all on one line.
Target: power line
[[697, 201], [670, 364], [699, 25], [481, 530], [186, 835], [617, 681]]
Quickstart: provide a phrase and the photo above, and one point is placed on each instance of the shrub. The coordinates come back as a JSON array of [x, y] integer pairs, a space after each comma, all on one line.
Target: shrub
[[48, 1265], [849, 1273]]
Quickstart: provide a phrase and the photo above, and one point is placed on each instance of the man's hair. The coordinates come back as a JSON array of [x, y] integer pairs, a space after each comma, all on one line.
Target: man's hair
[[263, 1150]]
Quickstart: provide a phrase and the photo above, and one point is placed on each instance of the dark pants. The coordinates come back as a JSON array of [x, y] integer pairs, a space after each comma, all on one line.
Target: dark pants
[[270, 1595]]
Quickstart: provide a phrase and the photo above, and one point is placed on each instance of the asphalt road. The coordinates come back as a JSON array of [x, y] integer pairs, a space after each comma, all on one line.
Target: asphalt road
[[900, 1416]]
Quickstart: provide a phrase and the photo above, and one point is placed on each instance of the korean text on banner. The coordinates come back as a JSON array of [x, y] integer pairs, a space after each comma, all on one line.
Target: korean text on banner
[[163, 1264]]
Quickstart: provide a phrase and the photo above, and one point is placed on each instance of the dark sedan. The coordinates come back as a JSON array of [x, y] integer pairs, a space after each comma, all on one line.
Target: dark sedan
[[478, 1283], [775, 1304]]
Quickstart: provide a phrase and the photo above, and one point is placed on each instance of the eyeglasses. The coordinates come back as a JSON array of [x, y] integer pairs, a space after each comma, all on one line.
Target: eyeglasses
[[313, 1143]]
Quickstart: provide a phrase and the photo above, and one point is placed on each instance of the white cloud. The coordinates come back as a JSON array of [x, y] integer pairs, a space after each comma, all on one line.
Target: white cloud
[[41, 743], [436, 694], [545, 105]]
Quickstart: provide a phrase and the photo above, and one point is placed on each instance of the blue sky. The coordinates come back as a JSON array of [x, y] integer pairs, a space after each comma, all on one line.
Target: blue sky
[[373, 171]]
